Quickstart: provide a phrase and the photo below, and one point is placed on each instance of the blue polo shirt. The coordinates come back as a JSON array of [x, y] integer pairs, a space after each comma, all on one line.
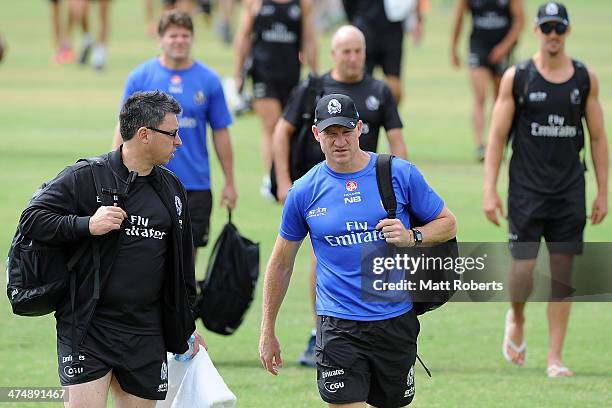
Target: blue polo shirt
[[199, 91], [340, 212]]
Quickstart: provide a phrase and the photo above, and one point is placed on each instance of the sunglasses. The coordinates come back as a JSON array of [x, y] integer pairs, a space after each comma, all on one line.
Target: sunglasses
[[559, 28], [172, 133]]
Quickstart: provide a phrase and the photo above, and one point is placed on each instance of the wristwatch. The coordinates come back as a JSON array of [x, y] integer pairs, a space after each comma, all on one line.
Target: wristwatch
[[418, 236]]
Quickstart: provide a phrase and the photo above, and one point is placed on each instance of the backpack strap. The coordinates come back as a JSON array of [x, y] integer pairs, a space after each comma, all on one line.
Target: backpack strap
[[584, 85], [385, 185], [523, 75]]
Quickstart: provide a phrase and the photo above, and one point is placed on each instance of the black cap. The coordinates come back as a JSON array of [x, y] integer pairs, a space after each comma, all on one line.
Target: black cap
[[335, 109], [552, 11]]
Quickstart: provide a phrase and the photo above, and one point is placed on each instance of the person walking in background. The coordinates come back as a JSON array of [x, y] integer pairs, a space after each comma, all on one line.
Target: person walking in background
[[274, 33], [376, 108], [496, 27], [542, 102], [200, 94]]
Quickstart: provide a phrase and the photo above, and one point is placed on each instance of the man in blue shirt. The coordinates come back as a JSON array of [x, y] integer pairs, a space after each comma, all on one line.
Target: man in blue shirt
[[365, 350], [199, 91]]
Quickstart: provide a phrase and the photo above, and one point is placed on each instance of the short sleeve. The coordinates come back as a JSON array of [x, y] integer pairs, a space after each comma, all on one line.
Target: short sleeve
[[218, 113], [131, 85], [293, 225], [391, 118], [293, 111], [424, 203]]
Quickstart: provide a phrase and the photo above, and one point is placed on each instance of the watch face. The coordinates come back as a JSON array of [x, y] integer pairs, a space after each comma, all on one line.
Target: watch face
[[418, 237]]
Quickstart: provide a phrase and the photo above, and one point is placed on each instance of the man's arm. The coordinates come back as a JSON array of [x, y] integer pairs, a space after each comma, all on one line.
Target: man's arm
[[242, 43], [223, 148], [501, 123], [457, 23], [283, 131], [117, 139], [397, 146], [599, 150], [276, 282], [440, 229], [502, 49], [309, 42]]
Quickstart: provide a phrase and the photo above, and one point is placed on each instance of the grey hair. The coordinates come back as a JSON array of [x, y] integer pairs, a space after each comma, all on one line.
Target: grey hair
[[145, 109]]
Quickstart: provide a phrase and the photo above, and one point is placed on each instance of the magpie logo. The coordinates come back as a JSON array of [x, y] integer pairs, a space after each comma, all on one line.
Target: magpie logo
[[334, 107], [179, 205], [164, 371]]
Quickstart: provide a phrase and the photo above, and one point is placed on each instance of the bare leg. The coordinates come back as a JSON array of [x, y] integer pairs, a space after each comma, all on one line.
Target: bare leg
[[92, 394], [396, 87], [56, 26], [521, 284], [558, 312], [122, 399], [269, 111], [351, 405], [479, 78], [104, 6]]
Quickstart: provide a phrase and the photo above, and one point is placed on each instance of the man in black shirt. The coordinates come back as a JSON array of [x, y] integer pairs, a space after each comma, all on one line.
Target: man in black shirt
[[374, 103], [146, 281], [546, 194]]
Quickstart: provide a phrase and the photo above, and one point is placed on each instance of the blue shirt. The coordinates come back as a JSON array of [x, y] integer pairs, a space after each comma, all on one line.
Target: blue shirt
[[200, 94], [340, 212]]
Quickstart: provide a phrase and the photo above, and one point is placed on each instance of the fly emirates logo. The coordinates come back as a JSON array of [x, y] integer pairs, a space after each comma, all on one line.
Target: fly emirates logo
[[139, 227], [357, 233], [556, 128]]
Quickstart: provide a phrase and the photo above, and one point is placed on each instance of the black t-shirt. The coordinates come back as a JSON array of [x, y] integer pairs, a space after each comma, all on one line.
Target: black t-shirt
[[491, 21], [131, 299], [372, 98], [370, 17], [547, 140], [277, 40]]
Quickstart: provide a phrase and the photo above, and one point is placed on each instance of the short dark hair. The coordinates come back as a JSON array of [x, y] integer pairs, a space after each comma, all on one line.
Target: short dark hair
[[145, 109], [176, 18]]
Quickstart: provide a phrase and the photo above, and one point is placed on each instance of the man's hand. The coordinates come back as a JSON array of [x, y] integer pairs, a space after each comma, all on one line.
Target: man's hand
[[229, 196], [492, 204], [269, 353], [497, 54], [455, 60], [599, 209], [395, 233], [106, 219], [199, 340]]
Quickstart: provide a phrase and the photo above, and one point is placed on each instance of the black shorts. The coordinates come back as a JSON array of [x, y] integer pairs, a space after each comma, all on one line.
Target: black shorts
[[384, 49], [266, 88], [367, 361], [138, 362], [479, 58], [200, 207], [560, 221]]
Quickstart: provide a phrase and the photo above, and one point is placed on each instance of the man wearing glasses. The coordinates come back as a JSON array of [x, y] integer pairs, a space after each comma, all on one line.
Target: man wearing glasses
[[541, 105], [200, 93]]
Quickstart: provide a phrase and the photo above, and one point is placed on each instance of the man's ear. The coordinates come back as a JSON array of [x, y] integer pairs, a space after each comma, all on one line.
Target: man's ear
[[359, 127], [143, 135], [315, 132]]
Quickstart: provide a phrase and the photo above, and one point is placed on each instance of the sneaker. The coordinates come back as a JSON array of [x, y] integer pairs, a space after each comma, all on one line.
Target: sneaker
[[98, 57], [64, 55], [86, 46], [307, 359], [480, 153], [266, 188], [243, 104]]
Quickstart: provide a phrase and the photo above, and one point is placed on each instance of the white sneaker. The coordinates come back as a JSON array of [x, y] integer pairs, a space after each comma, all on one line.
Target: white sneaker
[[98, 57], [266, 188]]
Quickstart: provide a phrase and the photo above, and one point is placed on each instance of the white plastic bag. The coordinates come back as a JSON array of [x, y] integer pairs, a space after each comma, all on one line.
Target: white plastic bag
[[398, 10], [196, 383]]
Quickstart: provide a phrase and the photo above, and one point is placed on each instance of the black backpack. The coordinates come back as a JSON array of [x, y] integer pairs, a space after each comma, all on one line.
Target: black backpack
[[304, 150], [423, 300], [227, 290], [38, 272]]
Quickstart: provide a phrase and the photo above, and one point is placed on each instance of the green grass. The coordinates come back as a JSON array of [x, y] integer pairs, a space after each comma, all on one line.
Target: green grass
[[50, 116]]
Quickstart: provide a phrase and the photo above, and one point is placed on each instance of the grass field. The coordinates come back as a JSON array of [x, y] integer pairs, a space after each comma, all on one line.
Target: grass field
[[50, 116]]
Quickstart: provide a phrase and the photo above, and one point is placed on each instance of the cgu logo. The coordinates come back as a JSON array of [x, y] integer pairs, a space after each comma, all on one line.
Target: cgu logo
[[333, 387], [351, 200]]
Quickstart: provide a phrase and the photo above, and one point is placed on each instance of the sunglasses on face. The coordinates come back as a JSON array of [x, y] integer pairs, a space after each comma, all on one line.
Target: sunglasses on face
[[172, 133], [559, 28]]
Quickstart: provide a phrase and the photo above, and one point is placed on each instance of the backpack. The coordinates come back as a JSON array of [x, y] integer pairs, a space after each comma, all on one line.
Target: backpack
[[38, 272], [525, 72], [231, 276], [304, 150], [423, 300]]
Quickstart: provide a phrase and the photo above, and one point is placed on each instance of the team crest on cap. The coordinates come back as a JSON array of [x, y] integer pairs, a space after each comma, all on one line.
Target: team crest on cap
[[179, 205], [334, 107], [552, 9], [351, 185]]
